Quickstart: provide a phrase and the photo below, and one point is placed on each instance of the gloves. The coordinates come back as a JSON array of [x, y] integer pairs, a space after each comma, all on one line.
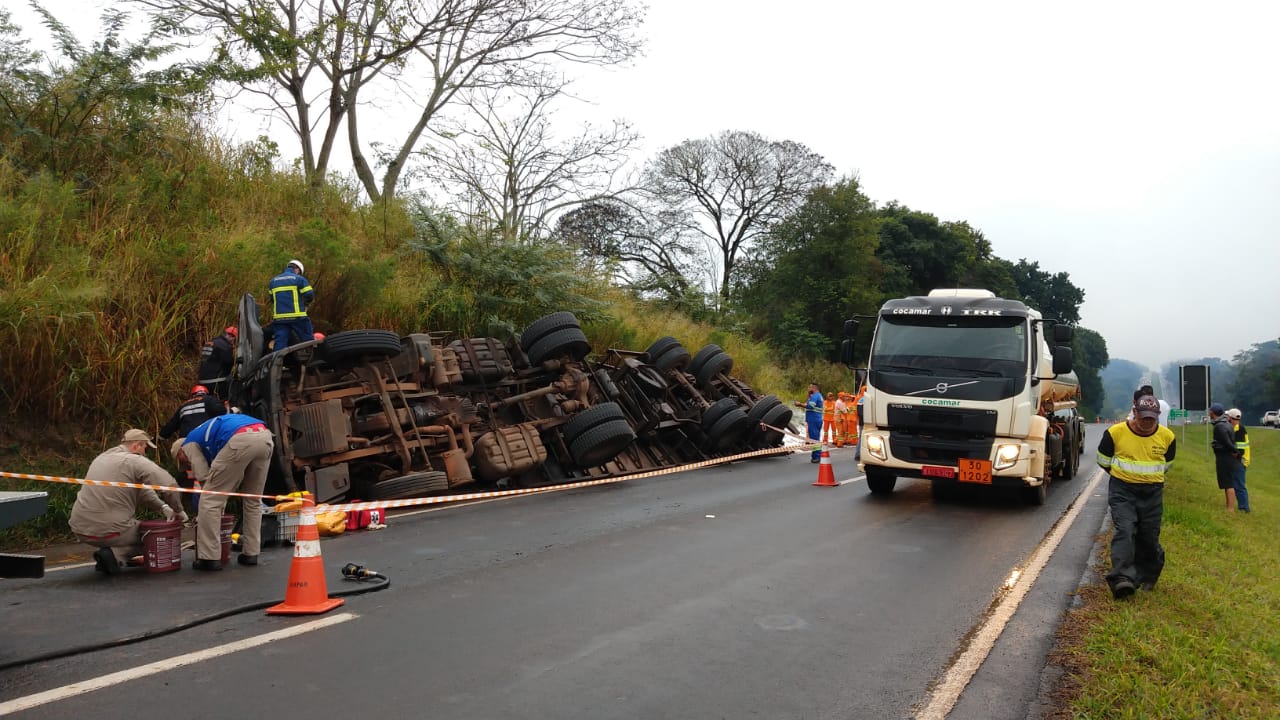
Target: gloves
[[168, 513], [184, 518]]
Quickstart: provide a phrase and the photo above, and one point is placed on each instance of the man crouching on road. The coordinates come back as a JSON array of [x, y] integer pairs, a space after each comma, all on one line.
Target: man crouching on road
[[1136, 453], [229, 453], [104, 516]]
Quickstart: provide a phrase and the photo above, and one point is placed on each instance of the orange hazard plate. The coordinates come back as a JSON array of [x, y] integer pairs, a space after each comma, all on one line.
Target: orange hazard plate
[[975, 471]]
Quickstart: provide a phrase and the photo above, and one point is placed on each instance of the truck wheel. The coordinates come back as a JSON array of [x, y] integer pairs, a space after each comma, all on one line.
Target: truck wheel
[[593, 416], [702, 356], [718, 409], [598, 445], [675, 358], [1036, 495], [728, 430], [763, 406], [546, 325], [713, 366], [880, 482], [408, 486], [356, 344], [778, 417], [558, 343]]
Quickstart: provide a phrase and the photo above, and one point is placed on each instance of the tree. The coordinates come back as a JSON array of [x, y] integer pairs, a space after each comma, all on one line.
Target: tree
[[1054, 295], [1089, 354], [644, 251], [337, 58], [813, 270], [509, 171], [1254, 386], [921, 253], [734, 187]]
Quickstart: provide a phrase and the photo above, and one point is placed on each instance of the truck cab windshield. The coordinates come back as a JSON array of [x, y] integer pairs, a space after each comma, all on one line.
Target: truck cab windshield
[[977, 346]]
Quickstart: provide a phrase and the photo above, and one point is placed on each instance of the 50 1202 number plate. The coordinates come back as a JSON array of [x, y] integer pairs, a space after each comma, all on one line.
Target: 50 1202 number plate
[[975, 471]]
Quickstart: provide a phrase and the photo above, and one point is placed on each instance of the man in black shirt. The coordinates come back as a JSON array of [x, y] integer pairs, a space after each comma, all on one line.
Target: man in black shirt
[[216, 360]]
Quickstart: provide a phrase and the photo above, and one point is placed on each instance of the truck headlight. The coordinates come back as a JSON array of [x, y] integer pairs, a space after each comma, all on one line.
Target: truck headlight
[[875, 446], [1006, 456]]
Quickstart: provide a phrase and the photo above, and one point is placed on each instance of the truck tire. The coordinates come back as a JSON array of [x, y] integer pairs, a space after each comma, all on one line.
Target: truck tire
[[778, 417], [667, 354], [880, 482], [546, 325], [728, 430], [702, 356], [718, 409], [569, 341], [408, 486], [1036, 495], [593, 416], [713, 366], [762, 407], [354, 345], [602, 443]]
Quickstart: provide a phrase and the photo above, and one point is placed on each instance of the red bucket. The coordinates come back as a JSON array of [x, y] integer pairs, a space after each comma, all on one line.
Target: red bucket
[[228, 525], [161, 544]]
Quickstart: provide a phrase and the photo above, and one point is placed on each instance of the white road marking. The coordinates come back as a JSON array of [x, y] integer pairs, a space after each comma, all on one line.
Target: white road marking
[[966, 666], [852, 480], [173, 663]]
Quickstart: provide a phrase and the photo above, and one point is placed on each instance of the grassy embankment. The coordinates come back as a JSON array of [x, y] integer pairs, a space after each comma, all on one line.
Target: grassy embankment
[[1205, 643]]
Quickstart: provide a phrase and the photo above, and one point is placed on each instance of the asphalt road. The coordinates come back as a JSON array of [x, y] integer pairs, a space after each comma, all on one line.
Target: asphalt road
[[734, 592]]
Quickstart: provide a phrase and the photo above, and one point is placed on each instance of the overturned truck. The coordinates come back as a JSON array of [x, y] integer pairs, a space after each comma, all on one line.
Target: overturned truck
[[371, 415]]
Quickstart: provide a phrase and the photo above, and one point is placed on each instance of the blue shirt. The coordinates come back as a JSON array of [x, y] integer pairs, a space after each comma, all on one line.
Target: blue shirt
[[212, 435], [813, 408]]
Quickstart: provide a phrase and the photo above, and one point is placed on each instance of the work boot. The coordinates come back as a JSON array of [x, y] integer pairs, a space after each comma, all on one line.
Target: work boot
[[247, 559], [1122, 588], [106, 561], [207, 565]]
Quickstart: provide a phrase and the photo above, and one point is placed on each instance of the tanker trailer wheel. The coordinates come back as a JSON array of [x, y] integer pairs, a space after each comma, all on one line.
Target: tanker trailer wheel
[[546, 325], [409, 486], [602, 443], [353, 345], [558, 343], [880, 482]]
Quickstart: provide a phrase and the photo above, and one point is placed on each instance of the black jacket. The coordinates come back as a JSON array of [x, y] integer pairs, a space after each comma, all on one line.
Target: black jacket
[[216, 358], [1224, 437], [190, 414]]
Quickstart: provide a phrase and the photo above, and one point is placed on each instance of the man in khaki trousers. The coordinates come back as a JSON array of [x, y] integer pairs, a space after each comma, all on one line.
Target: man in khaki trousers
[[229, 453]]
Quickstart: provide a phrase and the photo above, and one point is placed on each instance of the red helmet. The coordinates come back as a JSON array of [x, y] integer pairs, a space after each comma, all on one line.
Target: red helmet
[[199, 390], [232, 331], [318, 336]]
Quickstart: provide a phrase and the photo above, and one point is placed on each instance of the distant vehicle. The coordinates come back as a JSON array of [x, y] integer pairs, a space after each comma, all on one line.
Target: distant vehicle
[[1271, 418]]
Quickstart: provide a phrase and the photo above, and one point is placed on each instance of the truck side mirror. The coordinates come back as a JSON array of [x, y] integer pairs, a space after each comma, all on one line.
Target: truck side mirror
[[847, 352], [851, 328], [1062, 334], [859, 377], [1062, 360]]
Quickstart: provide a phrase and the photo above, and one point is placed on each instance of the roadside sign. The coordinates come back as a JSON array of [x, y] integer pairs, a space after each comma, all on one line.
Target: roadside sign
[[1177, 414]]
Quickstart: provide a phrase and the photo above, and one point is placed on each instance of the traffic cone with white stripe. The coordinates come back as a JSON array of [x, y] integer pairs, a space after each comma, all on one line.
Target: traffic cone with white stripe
[[826, 475], [306, 594]]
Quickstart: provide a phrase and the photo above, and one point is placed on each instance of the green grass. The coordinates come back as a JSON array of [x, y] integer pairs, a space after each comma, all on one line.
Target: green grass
[[1204, 644]]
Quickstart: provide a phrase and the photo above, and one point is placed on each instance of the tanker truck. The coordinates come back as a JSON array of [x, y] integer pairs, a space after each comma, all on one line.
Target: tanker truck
[[964, 387]]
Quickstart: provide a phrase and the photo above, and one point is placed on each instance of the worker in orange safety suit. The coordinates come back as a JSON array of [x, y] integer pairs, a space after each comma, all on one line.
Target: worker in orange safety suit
[[828, 424], [841, 419]]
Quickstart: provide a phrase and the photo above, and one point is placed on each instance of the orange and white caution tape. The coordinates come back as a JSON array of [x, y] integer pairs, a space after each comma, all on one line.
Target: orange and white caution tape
[[139, 486], [439, 499]]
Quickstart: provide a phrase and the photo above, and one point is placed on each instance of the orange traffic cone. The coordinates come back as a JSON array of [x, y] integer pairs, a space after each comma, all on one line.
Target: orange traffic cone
[[826, 476], [306, 594]]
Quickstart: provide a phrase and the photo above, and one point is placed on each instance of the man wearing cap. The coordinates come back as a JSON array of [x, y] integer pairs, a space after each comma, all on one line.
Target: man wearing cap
[[1136, 454], [1236, 418], [199, 407], [1225, 456], [217, 358], [229, 453], [290, 295], [104, 517]]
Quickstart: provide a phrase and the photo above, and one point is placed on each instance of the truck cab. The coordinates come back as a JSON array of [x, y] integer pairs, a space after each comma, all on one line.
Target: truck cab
[[966, 387]]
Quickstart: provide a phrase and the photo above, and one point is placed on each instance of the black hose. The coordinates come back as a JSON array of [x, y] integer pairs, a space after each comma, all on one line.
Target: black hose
[[382, 583]]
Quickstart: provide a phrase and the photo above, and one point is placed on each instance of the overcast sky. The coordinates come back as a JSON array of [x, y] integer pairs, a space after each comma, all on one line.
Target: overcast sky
[[1133, 145]]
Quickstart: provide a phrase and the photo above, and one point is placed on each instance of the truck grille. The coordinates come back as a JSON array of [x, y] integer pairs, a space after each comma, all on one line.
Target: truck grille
[[940, 435]]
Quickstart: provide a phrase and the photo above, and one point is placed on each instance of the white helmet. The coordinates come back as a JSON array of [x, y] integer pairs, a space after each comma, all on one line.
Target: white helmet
[[297, 264]]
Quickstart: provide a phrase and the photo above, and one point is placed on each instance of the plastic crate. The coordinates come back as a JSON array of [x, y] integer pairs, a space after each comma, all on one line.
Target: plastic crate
[[279, 528]]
